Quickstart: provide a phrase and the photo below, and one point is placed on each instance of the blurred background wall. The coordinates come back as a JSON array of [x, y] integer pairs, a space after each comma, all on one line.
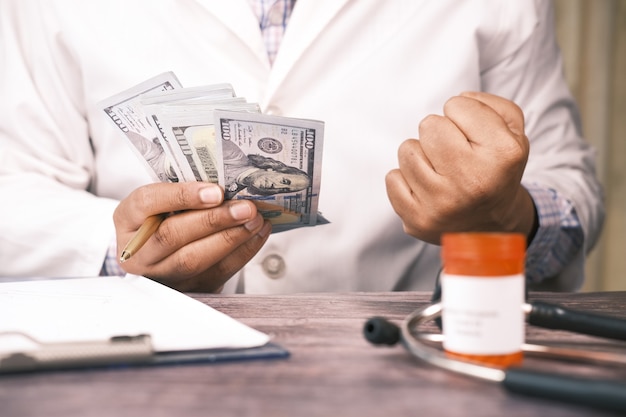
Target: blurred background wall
[[592, 36]]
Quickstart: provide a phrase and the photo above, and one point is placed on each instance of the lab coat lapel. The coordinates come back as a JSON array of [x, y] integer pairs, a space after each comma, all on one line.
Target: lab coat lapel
[[308, 20], [238, 17]]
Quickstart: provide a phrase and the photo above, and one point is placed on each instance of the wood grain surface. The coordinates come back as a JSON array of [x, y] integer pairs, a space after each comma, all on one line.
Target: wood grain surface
[[332, 369]]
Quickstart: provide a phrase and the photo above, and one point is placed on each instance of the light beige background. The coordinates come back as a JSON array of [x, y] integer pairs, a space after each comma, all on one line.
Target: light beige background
[[592, 36]]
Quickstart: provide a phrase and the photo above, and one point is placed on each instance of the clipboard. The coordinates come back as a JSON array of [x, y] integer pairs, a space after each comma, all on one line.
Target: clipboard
[[74, 323]]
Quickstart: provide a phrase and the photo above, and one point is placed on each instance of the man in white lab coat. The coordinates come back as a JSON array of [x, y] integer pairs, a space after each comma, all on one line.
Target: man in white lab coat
[[371, 70]]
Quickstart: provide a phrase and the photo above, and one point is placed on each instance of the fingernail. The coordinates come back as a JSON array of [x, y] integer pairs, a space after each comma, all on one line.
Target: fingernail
[[240, 211], [265, 230], [254, 223], [211, 195]]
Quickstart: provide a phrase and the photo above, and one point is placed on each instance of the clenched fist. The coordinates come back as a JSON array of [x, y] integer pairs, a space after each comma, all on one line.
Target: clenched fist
[[464, 172]]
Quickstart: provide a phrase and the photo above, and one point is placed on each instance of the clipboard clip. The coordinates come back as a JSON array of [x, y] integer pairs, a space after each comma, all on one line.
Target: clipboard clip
[[36, 355]]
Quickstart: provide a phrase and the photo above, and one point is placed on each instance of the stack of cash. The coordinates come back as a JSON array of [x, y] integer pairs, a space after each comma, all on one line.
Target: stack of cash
[[209, 134]]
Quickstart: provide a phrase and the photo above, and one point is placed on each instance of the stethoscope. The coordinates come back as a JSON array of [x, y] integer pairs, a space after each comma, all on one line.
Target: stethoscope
[[606, 394]]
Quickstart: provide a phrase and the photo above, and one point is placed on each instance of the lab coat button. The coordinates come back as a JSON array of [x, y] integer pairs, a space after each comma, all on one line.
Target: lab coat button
[[273, 111], [274, 266]]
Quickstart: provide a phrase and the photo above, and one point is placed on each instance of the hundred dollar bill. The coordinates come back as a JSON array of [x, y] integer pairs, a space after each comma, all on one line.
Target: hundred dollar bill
[[165, 109], [190, 95], [126, 111], [189, 132], [212, 91], [181, 134], [275, 161]]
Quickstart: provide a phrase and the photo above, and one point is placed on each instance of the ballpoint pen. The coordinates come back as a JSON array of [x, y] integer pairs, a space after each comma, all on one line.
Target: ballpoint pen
[[149, 226]]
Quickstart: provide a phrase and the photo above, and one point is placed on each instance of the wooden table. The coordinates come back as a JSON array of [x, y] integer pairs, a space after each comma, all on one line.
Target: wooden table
[[332, 370]]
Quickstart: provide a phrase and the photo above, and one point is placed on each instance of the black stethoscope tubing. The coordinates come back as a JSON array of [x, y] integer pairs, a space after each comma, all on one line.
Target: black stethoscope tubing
[[598, 393]]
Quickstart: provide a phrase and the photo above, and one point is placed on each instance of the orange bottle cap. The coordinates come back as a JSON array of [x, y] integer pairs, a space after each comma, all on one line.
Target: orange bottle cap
[[483, 246]]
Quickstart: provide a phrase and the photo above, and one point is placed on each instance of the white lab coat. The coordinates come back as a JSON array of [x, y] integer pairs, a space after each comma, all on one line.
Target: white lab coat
[[370, 69]]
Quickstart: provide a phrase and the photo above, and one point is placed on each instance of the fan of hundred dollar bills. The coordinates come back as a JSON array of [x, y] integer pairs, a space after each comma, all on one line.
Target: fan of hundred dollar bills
[[209, 134]]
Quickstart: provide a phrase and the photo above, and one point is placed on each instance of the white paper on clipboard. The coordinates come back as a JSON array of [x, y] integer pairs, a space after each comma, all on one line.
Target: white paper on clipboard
[[97, 309]]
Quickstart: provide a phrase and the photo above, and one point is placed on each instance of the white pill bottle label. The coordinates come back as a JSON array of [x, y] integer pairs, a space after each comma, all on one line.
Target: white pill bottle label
[[482, 315]]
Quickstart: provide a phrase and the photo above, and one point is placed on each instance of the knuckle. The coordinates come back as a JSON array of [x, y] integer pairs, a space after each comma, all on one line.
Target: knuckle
[[165, 235], [513, 153], [392, 182], [428, 122], [521, 150], [454, 104], [407, 147], [145, 197], [231, 236], [211, 219], [418, 229], [186, 266], [117, 214], [406, 151], [181, 198], [516, 111]]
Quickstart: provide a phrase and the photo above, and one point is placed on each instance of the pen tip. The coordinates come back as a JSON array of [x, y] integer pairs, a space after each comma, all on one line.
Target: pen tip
[[124, 256]]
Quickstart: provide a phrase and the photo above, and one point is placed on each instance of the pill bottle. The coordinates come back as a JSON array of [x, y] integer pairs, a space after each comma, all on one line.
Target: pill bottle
[[482, 296]]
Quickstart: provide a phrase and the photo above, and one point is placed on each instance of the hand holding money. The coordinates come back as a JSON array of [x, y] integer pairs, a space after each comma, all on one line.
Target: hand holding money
[[203, 145], [208, 134], [202, 245]]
